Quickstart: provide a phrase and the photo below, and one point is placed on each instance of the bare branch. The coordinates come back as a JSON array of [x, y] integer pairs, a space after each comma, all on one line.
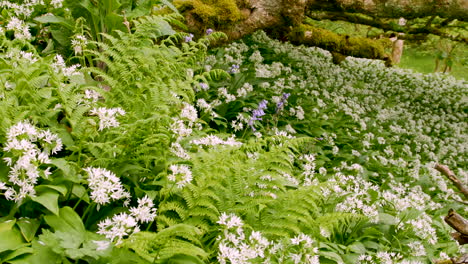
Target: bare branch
[[451, 176]]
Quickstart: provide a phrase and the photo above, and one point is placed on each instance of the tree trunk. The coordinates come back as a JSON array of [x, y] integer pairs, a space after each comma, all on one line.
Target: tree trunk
[[238, 18]]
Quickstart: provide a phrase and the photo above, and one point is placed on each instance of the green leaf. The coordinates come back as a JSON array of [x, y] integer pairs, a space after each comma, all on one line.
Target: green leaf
[[69, 172], [17, 253], [66, 221], [80, 192], [183, 259], [387, 219], [331, 255], [11, 238], [52, 19], [357, 247], [62, 189], [28, 227], [42, 254], [49, 199]]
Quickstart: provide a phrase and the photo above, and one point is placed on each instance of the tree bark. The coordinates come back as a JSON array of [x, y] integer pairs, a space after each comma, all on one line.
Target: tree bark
[[281, 17]]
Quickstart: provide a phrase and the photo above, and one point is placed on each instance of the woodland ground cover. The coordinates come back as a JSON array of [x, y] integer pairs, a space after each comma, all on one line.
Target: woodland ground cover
[[255, 152]]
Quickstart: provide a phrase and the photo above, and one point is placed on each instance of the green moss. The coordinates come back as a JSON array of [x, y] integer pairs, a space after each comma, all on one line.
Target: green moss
[[211, 13], [350, 46]]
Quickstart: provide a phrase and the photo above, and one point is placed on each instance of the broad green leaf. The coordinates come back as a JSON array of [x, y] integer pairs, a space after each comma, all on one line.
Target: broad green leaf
[[183, 259], [387, 219], [357, 247], [80, 192], [55, 20], [41, 254], [11, 237], [28, 227], [66, 221], [49, 199], [331, 255], [7, 225], [17, 253], [62, 189]]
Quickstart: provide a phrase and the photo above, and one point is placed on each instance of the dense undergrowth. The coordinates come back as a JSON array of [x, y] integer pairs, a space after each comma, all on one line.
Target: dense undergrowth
[[156, 150]]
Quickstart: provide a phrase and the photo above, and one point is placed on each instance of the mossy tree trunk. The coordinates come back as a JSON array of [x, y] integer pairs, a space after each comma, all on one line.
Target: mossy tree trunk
[[281, 18]]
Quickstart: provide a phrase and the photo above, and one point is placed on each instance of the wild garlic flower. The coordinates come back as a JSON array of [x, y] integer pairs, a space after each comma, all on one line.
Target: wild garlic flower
[[119, 227], [230, 221], [78, 44], [189, 112], [28, 56], [57, 3], [29, 147], [105, 186], [59, 66], [101, 244], [145, 212], [180, 128], [107, 116], [179, 151], [213, 140], [20, 28], [181, 175], [244, 90]]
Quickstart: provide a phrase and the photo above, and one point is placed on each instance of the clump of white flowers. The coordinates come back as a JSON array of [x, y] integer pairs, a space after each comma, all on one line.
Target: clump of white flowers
[[28, 148], [308, 169], [213, 140], [78, 44], [107, 116], [105, 186], [182, 126], [145, 212], [125, 224], [59, 66], [238, 246], [20, 28], [179, 151], [181, 175]]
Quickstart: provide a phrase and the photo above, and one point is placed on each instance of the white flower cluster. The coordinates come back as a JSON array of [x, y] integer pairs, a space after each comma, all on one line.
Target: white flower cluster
[[29, 148], [105, 186], [244, 90], [145, 212], [179, 151], [20, 57], [20, 28], [422, 227], [124, 224], [309, 169], [181, 175], [237, 246], [59, 66], [213, 140], [78, 44], [107, 116], [183, 126], [56, 3], [189, 112]]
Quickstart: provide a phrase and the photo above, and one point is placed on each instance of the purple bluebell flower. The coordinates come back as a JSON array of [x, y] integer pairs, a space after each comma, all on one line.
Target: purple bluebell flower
[[188, 38], [234, 68], [258, 113], [204, 86], [209, 31], [281, 103]]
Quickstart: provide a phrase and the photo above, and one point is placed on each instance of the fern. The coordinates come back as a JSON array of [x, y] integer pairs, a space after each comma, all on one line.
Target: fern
[[169, 242]]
